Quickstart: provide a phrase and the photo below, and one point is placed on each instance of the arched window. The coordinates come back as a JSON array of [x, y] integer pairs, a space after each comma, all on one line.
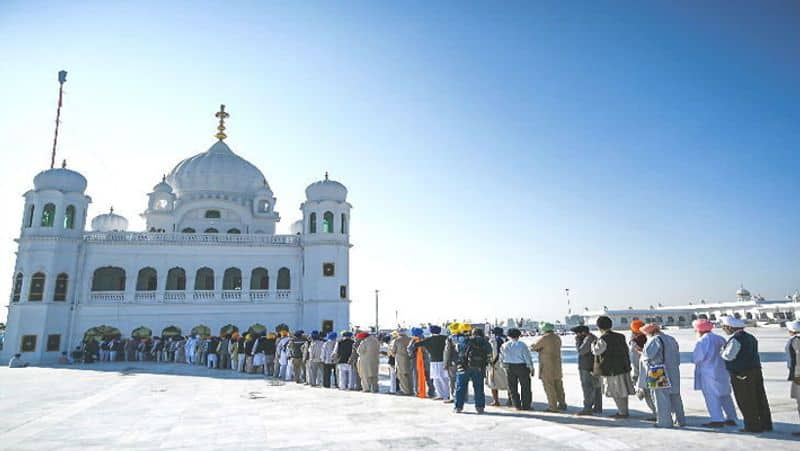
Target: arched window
[[670, 320], [48, 215], [623, 320], [681, 319], [211, 230], [712, 317], [737, 315], [327, 222], [188, 230], [69, 217], [204, 280], [109, 278], [29, 220], [284, 279], [176, 279], [232, 280], [213, 214], [147, 280], [263, 206], [748, 315], [659, 319], [37, 287], [62, 282], [17, 287], [259, 279], [344, 223], [312, 223], [234, 231]]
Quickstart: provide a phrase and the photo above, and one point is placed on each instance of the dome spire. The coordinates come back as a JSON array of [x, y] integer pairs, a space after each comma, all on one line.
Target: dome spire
[[222, 115]]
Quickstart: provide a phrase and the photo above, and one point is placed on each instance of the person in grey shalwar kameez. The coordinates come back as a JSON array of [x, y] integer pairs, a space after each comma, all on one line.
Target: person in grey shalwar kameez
[[662, 349]]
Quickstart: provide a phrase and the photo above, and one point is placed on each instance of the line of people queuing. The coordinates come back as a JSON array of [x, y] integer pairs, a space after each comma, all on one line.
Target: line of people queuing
[[441, 367]]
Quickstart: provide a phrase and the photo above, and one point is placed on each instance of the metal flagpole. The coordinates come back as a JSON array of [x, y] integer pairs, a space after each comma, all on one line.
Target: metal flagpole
[[62, 77], [377, 330]]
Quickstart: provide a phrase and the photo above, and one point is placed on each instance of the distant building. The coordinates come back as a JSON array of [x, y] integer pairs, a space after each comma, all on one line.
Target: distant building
[[754, 309]]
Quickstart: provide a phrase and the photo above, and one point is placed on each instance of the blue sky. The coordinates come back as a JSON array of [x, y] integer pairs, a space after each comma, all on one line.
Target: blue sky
[[635, 152]]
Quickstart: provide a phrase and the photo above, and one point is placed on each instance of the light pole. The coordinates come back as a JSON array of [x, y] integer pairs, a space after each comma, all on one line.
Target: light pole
[[377, 330]]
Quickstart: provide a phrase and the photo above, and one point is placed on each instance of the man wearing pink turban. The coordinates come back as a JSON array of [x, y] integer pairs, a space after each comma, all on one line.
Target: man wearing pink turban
[[710, 375]]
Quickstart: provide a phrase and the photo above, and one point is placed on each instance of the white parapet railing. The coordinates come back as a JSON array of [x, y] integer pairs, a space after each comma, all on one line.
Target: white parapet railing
[[196, 296], [203, 295], [107, 296], [144, 296], [249, 239], [231, 295], [174, 295]]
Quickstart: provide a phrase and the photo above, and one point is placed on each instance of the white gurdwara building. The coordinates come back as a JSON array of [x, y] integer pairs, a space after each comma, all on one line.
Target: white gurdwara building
[[210, 258]]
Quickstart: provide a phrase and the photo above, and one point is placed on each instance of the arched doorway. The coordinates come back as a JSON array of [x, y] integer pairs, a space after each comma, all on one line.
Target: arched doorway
[[202, 330], [100, 333], [228, 329], [141, 332], [171, 331], [257, 329]]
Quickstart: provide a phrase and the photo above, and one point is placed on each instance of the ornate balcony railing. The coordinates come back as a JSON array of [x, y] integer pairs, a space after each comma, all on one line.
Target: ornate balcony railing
[[145, 296], [191, 297], [231, 295], [107, 296], [203, 294], [174, 295], [249, 239]]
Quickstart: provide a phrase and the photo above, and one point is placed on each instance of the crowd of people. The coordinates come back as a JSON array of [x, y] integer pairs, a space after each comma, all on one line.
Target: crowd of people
[[438, 366]]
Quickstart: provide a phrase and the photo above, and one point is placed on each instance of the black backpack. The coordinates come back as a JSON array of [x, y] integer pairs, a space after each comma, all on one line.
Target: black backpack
[[475, 355], [296, 349]]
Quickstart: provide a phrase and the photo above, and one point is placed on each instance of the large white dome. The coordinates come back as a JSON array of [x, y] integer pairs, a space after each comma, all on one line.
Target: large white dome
[[60, 179], [216, 170]]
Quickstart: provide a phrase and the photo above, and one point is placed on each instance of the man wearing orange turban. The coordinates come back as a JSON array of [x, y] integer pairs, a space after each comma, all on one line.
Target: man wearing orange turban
[[636, 345]]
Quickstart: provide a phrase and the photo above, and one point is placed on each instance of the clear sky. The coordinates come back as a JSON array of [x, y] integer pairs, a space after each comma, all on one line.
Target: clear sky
[[495, 153]]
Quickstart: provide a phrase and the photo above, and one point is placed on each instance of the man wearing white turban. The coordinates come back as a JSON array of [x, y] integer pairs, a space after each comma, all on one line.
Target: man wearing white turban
[[744, 365]]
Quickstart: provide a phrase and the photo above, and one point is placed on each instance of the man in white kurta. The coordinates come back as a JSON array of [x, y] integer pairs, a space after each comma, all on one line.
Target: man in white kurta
[[662, 349], [711, 377]]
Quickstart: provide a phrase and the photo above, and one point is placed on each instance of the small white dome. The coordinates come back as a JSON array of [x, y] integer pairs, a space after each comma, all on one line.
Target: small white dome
[[109, 222], [216, 170], [297, 227], [326, 190], [60, 179], [163, 187], [742, 293]]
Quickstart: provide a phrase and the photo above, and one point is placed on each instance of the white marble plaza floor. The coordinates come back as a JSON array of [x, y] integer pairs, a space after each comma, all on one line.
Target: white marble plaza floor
[[143, 405]]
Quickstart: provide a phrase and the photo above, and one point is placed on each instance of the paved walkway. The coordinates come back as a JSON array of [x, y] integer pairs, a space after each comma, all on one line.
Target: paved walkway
[[144, 405]]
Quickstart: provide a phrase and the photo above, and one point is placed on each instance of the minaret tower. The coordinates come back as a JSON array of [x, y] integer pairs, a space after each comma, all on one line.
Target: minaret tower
[[326, 252], [43, 288]]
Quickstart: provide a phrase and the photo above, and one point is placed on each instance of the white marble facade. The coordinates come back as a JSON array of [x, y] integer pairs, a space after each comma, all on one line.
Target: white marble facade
[[209, 257]]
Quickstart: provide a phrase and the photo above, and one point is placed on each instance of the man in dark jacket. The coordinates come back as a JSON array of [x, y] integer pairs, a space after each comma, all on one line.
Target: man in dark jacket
[[342, 353], [473, 356], [614, 360], [213, 348], [744, 365], [590, 384]]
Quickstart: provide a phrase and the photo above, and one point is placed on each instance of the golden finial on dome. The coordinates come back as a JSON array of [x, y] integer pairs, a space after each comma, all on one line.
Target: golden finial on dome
[[222, 115]]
